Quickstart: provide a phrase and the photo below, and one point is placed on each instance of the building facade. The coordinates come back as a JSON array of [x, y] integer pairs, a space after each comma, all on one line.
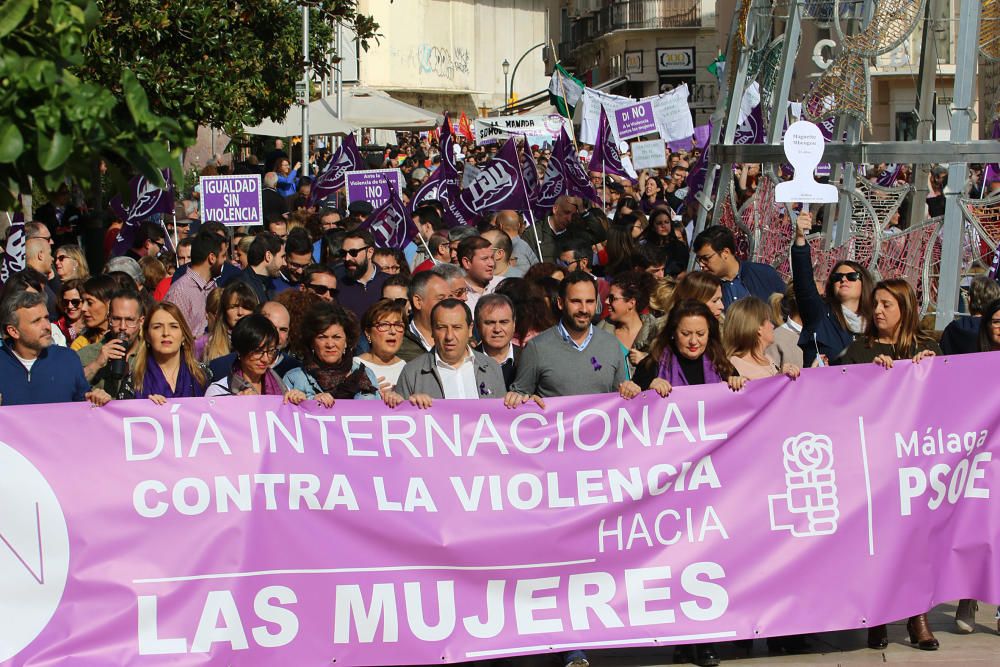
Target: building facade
[[654, 44], [448, 54]]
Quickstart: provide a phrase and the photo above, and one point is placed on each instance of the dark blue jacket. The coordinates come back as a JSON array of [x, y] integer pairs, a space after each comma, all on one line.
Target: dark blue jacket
[[55, 377], [761, 280], [831, 338], [961, 336]]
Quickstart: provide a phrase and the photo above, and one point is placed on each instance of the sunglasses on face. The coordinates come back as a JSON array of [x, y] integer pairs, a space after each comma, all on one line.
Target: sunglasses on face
[[353, 252], [323, 289], [72, 303], [852, 276]]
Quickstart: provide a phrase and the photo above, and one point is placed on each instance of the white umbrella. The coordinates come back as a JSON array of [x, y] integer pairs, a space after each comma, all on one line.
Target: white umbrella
[[322, 120], [368, 107]]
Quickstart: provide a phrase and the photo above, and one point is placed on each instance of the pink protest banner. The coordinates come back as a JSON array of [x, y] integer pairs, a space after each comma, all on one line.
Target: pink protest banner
[[239, 531]]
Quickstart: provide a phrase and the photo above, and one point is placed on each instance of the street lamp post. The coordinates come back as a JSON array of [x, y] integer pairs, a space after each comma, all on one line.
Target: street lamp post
[[506, 68], [305, 101], [518, 64]]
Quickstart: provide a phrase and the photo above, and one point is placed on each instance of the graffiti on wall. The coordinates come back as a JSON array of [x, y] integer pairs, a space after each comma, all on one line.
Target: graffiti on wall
[[438, 60]]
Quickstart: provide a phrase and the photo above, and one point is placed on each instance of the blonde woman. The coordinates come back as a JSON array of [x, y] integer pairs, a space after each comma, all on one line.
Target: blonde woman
[[165, 367], [748, 333], [71, 264], [236, 302]]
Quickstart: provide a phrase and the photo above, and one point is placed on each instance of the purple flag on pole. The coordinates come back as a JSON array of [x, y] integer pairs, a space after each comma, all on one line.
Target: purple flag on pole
[[577, 180], [554, 180], [447, 148], [529, 171], [13, 255], [702, 135], [346, 158], [888, 177], [147, 200], [752, 129], [391, 224], [444, 182], [442, 187], [498, 185], [606, 157]]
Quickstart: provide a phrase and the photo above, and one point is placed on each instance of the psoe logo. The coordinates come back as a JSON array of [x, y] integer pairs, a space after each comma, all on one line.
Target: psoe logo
[[809, 505], [34, 552]]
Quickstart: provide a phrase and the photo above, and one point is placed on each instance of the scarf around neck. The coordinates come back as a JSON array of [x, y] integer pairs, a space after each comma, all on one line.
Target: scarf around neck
[[671, 371]]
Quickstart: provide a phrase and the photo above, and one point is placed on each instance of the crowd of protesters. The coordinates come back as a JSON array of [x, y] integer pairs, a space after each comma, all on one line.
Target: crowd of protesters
[[591, 299]]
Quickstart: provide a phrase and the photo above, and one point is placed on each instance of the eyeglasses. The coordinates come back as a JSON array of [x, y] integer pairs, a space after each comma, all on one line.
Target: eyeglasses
[[296, 266], [390, 268], [124, 321], [383, 327], [612, 298], [323, 289], [264, 353], [704, 259], [570, 263], [62, 258], [72, 303], [853, 276], [47, 238], [353, 252], [459, 293]]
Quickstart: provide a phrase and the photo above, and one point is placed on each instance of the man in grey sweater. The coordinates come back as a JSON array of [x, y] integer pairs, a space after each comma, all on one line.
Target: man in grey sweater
[[573, 357]]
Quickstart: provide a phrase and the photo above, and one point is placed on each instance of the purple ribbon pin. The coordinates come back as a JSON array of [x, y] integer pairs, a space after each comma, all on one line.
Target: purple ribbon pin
[[595, 363]]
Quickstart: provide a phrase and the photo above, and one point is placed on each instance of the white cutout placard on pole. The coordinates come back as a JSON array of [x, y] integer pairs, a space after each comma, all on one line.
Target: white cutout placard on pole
[[804, 147]]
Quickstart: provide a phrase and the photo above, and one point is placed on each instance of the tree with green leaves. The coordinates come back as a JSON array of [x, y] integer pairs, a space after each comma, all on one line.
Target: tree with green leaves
[[56, 124], [221, 63]]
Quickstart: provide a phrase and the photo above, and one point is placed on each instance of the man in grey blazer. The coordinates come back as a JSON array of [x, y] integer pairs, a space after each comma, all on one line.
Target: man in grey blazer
[[452, 369]]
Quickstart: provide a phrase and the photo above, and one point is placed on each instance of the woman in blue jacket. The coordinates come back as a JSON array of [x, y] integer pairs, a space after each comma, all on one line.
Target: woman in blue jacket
[[830, 322]]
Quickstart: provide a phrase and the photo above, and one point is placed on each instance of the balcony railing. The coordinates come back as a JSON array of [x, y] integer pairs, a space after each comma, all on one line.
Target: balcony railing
[[637, 15]]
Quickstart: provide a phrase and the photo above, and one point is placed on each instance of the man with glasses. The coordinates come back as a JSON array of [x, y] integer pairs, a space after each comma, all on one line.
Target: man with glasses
[[361, 282], [387, 260], [715, 250], [321, 281], [148, 241], [298, 258], [38, 230], [107, 364]]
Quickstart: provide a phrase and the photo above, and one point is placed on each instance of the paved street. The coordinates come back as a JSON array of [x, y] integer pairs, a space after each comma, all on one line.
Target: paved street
[[836, 648]]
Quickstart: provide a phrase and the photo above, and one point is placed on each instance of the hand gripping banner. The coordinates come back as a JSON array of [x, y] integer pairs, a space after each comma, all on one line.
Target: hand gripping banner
[[240, 531]]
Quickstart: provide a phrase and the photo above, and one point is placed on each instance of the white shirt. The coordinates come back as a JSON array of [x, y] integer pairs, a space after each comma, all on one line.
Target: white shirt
[[460, 381]]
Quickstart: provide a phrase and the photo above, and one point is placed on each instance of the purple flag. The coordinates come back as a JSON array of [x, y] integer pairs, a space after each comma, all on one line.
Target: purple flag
[[447, 148], [888, 177], [529, 171], [577, 180], [606, 157], [346, 158], [498, 185], [13, 254], [992, 170], [442, 187], [444, 183], [702, 135], [752, 129], [147, 200], [391, 224], [554, 180]]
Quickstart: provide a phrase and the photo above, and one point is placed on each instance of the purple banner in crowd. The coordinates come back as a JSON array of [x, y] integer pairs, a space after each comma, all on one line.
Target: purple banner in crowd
[[634, 120], [606, 158], [232, 200], [346, 158], [242, 531]]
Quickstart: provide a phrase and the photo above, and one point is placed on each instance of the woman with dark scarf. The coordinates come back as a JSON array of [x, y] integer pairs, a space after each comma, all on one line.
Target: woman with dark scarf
[[328, 336], [165, 367]]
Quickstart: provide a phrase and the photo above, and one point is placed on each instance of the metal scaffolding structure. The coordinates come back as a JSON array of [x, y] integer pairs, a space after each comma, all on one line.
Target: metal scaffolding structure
[[930, 253]]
